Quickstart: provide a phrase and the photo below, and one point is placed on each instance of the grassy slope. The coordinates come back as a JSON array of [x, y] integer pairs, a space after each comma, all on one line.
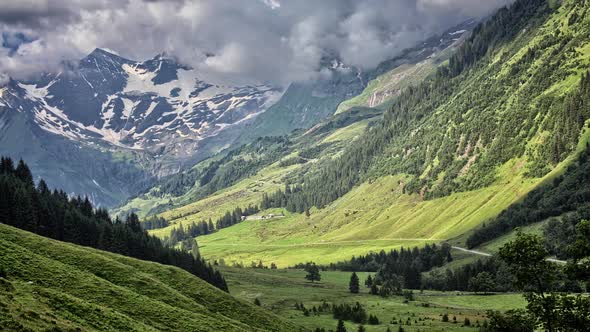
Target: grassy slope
[[55, 284], [375, 215], [279, 290], [371, 217]]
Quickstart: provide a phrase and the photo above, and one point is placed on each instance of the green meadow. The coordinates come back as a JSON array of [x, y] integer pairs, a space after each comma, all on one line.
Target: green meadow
[[279, 290]]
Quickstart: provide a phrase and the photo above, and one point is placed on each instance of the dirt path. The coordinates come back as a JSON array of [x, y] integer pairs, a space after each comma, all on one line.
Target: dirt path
[[553, 260]]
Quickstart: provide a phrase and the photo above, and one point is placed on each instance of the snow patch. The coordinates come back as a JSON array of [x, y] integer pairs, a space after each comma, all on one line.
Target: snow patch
[[458, 32]]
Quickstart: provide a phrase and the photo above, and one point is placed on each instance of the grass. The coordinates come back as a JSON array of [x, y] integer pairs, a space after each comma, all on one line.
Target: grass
[[60, 286], [372, 217], [279, 290], [347, 133]]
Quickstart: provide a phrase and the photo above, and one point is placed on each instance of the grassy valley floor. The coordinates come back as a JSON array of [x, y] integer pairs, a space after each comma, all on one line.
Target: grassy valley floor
[[279, 290]]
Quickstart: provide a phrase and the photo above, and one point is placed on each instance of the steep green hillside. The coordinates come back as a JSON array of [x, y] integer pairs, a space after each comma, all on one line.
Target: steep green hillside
[[51, 285], [504, 115]]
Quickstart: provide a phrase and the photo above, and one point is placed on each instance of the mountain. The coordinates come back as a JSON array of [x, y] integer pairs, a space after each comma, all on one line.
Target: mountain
[[503, 114], [51, 285], [316, 107], [304, 104], [109, 127], [156, 105], [151, 117]]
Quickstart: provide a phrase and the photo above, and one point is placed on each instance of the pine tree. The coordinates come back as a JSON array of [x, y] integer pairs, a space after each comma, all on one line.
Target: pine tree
[[369, 281], [133, 223], [340, 327], [361, 328], [24, 174], [353, 285], [313, 272]]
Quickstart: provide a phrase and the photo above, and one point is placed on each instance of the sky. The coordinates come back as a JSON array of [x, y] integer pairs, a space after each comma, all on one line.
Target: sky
[[267, 41]]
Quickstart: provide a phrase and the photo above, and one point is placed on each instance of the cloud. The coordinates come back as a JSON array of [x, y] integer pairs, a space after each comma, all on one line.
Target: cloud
[[259, 40]]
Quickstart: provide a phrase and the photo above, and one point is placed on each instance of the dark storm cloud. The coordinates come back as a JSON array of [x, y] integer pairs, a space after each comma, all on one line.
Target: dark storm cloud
[[263, 40]]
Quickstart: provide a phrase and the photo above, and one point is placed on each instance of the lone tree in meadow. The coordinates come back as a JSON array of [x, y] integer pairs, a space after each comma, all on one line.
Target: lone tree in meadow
[[313, 272], [353, 285]]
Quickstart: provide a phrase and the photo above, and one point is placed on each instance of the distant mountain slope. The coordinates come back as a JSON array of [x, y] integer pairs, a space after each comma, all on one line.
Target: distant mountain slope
[[155, 105], [115, 124], [309, 105], [224, 171], [106, 177], [50, 285], [409, 69], [305, 103]]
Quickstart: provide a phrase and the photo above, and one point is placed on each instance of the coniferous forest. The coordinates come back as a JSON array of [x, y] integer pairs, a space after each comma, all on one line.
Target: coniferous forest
[[53, 214]]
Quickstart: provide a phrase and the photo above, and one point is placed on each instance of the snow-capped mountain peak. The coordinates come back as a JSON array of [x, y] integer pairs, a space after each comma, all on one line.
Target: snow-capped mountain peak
[[151, 105]]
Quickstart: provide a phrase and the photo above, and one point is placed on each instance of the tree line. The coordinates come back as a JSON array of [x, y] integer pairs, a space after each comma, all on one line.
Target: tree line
[[53, 214], [154, 222], [355, 313], [398, 269]]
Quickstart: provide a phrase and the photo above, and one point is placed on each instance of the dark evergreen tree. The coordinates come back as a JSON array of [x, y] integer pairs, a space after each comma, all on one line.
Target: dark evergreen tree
[[353, 285], [369, 281]]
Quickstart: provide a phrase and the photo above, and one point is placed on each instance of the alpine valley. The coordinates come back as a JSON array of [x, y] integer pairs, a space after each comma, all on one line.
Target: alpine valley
[[444, 189]]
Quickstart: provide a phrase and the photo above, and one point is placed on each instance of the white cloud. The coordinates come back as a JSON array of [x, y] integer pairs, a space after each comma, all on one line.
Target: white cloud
[[262, 40]]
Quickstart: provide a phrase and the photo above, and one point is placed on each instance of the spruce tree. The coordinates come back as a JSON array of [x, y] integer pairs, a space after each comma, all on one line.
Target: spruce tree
[[340, 327], [24, 174], [353, 285], [369, 281]]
